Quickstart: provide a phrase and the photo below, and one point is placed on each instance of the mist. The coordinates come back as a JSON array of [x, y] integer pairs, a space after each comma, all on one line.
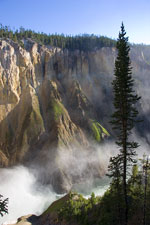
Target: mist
[[27, 196], [19, 185], [30, 189]]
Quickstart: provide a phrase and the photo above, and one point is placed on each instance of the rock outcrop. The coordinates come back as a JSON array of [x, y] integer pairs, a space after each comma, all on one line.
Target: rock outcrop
[[51, 215]]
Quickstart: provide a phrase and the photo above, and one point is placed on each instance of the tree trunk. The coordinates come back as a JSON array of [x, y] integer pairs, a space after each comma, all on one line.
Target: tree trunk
[[145, 194], [124, 122]]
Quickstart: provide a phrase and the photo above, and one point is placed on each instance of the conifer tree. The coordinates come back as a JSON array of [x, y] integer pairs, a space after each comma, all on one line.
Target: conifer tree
[[3, 206], [116, 185], [146, 169], [124, 116]]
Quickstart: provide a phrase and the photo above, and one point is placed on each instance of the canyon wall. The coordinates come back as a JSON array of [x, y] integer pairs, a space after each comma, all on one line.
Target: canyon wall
[[54, 101]]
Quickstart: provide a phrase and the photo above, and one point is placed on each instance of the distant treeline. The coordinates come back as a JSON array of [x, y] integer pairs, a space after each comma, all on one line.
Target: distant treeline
[[84, 42]]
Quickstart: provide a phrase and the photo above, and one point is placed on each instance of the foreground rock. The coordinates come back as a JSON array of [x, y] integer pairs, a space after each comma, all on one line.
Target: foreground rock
[[50, 216], [26, 220]]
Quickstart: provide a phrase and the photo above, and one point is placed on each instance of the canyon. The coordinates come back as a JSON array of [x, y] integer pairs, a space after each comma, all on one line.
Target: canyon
[[55, 108], [55, 102]]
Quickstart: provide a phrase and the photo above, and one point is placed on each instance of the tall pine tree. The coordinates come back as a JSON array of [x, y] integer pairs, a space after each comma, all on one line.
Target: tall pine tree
[[124, 117]]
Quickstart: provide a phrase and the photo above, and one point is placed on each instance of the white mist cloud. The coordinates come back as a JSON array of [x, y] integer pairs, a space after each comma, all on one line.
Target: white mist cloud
[[19, 185], [85, 168], [27, 196], [143, 148]]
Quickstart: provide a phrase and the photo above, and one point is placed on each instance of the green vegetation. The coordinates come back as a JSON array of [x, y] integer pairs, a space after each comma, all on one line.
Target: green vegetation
[[57, 109], [3, 206], [113, 204], [98, 131], [56, 206], [36, 122], [83, 42], [123, 121], [77, 208], [74, 208]]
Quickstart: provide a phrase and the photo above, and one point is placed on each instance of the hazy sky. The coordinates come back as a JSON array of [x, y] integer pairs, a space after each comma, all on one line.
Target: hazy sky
[[102, 17]]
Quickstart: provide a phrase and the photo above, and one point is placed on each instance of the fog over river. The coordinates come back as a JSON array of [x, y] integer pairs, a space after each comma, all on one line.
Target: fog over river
[[26, 196]]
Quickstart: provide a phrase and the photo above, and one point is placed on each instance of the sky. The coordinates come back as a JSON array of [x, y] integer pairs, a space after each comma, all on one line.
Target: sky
[[102, 17]]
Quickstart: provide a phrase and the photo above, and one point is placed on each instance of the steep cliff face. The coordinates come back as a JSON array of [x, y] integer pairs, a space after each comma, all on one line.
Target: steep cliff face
[[44, 110], [51, 100]]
